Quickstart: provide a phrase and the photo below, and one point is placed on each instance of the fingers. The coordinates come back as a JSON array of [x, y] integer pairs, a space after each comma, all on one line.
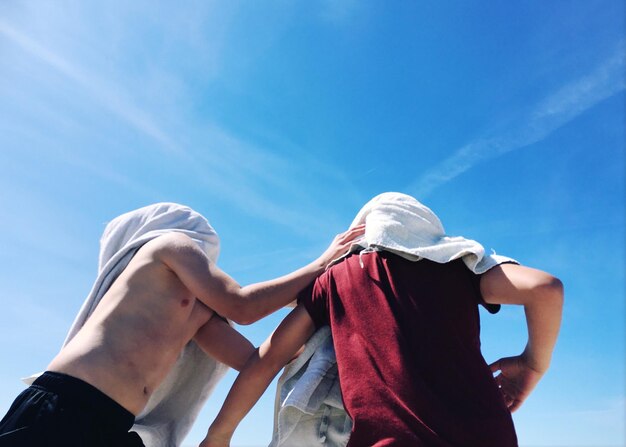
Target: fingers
[[515, 406], [512, 395], [505, 391], [511, 399], [508, 400], [343, 240], [340, 245], [352, 233], [503, 388], [515, 381], [498, 380], [495, 366]]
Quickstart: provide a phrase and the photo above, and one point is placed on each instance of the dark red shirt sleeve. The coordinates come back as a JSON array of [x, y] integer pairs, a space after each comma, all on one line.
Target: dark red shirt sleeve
[[315, 301], [491, 308]]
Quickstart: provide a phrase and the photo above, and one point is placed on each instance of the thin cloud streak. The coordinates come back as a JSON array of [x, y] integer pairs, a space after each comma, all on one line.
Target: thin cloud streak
[[237, 169], [99, 90], [547, 116]]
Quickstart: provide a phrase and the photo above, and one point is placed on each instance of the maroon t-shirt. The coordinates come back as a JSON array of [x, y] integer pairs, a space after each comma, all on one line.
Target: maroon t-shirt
[[406, 335]]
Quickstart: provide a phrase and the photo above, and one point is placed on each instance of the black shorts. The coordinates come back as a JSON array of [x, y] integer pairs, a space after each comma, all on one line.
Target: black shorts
[[60, 410]]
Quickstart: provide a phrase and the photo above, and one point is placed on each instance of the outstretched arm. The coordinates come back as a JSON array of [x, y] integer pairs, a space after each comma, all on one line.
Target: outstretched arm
[[258, 373], [221, 293], [541, 294]]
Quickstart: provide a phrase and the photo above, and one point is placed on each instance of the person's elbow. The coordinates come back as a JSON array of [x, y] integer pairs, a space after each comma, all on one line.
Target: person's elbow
[[240, 362], [245, 319], [550, 289], [244, 313]]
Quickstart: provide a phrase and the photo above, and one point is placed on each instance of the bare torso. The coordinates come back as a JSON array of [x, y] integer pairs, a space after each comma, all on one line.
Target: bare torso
[[135, 335]]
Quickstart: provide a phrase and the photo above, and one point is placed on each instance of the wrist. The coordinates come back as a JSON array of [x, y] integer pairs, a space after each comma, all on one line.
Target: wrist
[[318, 266], [540, 366], [219, 434]]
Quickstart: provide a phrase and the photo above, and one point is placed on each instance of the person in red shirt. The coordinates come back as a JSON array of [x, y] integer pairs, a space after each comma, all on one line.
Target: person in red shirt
[[406, 335]]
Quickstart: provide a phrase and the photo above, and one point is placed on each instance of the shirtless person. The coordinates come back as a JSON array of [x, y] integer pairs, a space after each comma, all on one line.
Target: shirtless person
[[168, 294]]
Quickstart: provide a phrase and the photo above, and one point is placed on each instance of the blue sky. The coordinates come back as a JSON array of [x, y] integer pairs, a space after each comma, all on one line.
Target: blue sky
[[277, 120]]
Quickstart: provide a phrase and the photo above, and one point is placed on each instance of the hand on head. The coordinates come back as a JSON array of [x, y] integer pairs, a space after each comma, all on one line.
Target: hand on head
[[341, 244]]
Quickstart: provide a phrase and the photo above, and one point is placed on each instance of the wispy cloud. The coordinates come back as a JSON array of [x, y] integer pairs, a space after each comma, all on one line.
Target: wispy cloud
[[218, 161], [97, 88], [548, 115]]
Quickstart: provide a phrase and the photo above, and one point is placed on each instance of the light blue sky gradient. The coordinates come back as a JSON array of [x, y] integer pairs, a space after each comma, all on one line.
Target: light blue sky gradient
[[277, 120]]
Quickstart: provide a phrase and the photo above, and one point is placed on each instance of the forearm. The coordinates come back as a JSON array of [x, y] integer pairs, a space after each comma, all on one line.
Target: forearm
[[222, 294], [541, 294], [261, 368], [263, 298], [543, 316], [266, 297], [222, 342], [246, 391]]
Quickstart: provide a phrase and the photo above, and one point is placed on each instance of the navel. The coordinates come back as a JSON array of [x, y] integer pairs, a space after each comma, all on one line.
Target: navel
[[145, 390], [184, 303]]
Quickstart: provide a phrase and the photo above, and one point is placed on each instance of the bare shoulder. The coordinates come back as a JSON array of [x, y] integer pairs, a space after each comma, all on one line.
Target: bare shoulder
[[181, 255], [171, 241], [174, 247], [174, 252]]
